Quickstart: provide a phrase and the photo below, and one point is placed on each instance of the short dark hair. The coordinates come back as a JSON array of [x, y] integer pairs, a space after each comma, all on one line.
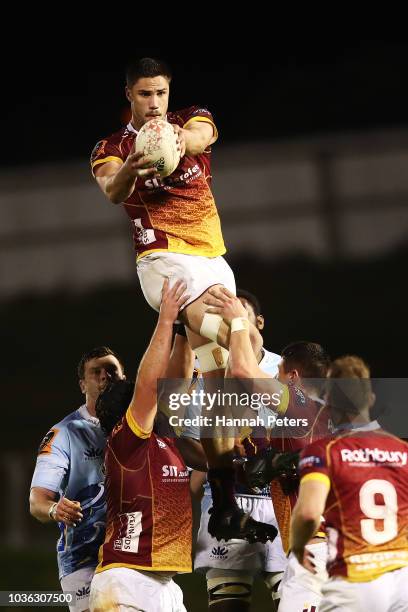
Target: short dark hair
[[252, 299], [144, 68], [112, 404], [308, 358], [100, 351]]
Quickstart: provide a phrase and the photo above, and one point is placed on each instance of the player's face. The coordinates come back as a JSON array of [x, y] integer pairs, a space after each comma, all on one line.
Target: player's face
[[148, 97], [258, 321], [98, 373]]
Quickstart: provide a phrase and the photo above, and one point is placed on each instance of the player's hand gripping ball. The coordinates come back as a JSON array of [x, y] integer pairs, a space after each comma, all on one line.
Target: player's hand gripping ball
[[158, 142]]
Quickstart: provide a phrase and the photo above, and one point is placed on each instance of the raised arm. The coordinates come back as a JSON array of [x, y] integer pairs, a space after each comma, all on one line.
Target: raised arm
[[181, 363], [154, 363]]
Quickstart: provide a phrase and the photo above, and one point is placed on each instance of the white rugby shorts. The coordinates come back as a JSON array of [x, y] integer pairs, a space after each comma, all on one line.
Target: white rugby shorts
[[300, 589], [132, 590], [240, 554], [80, 582], [388, 593], [199, 273]]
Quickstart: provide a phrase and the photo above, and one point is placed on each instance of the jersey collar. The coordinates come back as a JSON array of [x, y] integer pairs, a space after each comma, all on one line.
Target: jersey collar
[[83, 411], [371, 426]]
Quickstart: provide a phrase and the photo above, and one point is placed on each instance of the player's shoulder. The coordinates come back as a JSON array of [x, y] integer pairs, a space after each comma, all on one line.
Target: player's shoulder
[[66, 420], [185, 114], [58, 434], [113, 140], [77, 418], [317, 448], [376, 437]]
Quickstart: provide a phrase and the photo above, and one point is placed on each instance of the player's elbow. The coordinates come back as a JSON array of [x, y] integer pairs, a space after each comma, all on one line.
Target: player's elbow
[[34, 511], [114, 197], [197, 146]]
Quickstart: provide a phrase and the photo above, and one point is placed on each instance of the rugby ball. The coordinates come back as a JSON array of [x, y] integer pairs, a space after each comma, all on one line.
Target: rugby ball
[[157, 140]]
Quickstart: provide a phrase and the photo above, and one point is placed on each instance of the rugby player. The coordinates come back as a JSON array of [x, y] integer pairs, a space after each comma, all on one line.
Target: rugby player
[[358, 481], [68, 481]]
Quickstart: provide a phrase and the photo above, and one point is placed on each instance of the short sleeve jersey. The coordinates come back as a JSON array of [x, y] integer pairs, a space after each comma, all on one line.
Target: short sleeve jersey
[[70, 463], [366, 515], [149, 516], [295, 404], [177, 213]]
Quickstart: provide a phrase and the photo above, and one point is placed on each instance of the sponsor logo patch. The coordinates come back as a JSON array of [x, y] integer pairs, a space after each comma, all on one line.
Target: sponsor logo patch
[[219, 552], [374, 455], [83, 592], [93, 453], [311, 461]]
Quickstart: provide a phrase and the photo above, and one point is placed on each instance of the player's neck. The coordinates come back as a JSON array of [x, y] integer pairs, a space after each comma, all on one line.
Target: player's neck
[[134, 125], [90, 406], [359, 420]]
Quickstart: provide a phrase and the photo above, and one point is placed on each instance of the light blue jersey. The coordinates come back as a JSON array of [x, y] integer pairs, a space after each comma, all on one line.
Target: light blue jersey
[[70, 462]]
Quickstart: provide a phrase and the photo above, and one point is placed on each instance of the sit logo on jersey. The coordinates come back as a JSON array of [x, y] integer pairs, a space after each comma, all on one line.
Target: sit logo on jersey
[[171, 473]]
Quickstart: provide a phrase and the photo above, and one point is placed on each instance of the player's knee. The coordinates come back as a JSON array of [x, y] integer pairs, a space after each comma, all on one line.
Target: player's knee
[[229, 592], [211, 357]]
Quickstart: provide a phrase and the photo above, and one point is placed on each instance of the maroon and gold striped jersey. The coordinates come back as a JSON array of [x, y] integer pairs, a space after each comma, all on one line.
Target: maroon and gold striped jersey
[[177, 213], [366, 514], [149, 517]]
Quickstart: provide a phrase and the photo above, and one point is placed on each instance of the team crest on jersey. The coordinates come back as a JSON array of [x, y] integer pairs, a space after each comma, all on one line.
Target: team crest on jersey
[[99, 149], [45, 446]]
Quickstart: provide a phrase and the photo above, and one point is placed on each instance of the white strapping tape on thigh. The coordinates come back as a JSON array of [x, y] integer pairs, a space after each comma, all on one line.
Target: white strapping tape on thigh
[[210, 326], [211, 357]]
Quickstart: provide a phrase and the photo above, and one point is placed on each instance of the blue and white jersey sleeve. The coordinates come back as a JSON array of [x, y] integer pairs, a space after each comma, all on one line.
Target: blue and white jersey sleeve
[[52, 467]]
